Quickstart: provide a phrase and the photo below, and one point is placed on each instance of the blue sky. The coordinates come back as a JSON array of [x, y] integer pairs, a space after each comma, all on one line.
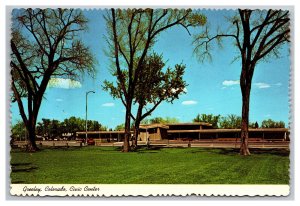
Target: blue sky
[[213, 86]]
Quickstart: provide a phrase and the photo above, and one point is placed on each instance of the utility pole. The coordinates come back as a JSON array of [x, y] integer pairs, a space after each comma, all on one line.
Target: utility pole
[[86, 110]]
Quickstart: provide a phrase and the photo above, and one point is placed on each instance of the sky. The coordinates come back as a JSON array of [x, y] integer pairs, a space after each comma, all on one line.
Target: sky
[[213, 86]]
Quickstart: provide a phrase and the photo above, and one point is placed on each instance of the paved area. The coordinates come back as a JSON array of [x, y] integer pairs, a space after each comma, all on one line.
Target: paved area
[[204, 143]]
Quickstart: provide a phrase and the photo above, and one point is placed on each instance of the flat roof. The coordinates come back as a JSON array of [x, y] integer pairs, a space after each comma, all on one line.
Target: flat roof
[[104, 132], [196, 131], [149, 126], [229, 130]]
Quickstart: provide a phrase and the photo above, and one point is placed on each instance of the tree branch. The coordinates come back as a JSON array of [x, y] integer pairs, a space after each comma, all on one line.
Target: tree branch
[[20, 103], [115, 38], [151, 110]]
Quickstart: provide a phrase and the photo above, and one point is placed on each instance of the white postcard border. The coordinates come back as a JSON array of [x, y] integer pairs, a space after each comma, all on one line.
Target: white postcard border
[[119, 190]]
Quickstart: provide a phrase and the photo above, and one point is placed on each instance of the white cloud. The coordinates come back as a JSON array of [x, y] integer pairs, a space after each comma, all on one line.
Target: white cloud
[[189, 102], [108, 104], [267, 115], [278, 84], [262, 85], [58, 100], [230, 82], [64, 83]]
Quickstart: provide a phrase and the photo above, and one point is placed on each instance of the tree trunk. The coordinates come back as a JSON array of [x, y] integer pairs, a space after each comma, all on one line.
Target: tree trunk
[[126, 145], [136, 134], [32, 147], [244, 150], [137, 125]]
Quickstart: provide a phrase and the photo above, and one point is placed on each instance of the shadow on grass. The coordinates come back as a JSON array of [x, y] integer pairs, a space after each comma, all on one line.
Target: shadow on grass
[[145, 149], [22, 167], [236, 151], [278, 152], [17, 182], [63, 148], [28, 169], [19, 164]]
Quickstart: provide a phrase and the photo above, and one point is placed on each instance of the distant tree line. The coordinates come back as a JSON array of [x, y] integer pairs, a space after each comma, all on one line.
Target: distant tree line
[[55, 129], [230, 121], [272, 124], [233, 121]]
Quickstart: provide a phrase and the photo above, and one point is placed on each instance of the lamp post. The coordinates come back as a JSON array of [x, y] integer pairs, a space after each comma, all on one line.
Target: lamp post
[[86, 110]]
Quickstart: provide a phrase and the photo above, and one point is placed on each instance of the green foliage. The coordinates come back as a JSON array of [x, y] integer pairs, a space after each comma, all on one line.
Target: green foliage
[[155, 85], [209, 118], [231, 122], [161, 120], [107, 165], [269, 123], [51, 129], [120, 127], [18, 131]]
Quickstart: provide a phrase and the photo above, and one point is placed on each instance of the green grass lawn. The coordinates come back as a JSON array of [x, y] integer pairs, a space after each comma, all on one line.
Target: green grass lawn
[[96, 165]]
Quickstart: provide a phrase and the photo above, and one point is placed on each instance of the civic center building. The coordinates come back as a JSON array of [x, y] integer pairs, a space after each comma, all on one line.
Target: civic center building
[[189, 131]]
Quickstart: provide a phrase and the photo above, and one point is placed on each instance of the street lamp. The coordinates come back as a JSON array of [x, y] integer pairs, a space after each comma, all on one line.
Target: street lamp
[[86, 110]]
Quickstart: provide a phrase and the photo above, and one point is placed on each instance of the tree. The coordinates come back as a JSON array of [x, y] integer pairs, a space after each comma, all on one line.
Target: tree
[[154, 87], [160, 120], [230, 122], [43, 128], [73, 125], [131, 36], [120, 127], [76, 124], [209, 118], [257, 35], [45, 43], [272, 124], [18, 131], [55, 129]]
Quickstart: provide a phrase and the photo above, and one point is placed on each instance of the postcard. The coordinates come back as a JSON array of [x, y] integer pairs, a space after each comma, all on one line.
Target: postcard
[[150, 101]]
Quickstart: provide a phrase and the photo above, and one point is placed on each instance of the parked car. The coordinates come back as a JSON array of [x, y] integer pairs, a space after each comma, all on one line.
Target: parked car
[[91, 141]]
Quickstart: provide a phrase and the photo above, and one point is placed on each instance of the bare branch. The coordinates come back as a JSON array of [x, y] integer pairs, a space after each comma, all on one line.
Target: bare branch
[[117, 53]]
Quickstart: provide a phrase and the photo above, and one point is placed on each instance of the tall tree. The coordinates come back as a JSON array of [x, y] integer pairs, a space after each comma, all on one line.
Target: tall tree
[[45, 43], [131, 35], [154, 86], [257, 35]]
